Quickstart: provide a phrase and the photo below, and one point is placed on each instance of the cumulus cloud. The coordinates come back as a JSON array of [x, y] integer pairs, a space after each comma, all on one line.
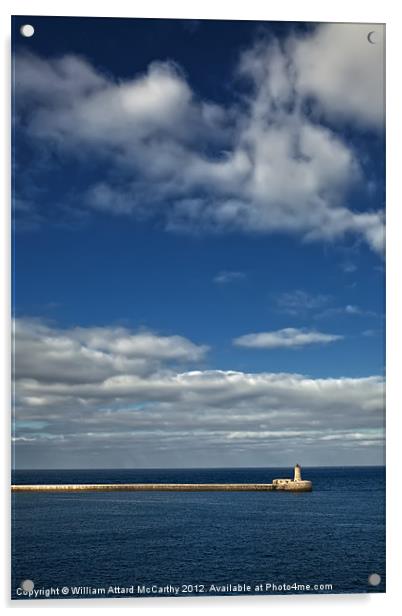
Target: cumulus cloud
[[289, 337], [103, 397], [261, 163], [90, 355], [339, 68]]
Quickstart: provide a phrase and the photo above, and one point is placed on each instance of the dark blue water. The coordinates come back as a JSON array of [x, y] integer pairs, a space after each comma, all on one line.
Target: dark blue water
[[333, 535]]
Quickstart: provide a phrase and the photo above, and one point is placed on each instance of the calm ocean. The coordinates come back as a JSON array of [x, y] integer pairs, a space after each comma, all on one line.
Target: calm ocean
[[155, 541]]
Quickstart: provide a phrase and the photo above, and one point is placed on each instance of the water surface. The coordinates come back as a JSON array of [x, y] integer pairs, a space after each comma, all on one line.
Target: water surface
[[333, 535]]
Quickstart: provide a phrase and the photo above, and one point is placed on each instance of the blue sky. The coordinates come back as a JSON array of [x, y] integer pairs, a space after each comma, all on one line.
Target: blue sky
[[198, 245]]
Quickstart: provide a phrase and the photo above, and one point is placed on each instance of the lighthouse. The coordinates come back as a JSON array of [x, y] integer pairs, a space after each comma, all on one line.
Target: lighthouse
[[297, 475], [297, 484]]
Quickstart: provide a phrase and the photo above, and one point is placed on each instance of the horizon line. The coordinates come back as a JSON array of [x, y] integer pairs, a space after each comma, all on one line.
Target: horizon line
[[173, 468]]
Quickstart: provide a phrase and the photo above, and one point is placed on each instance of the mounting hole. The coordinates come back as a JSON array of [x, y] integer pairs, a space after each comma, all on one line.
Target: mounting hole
[[27, 30], [27, 585], [374, 579]]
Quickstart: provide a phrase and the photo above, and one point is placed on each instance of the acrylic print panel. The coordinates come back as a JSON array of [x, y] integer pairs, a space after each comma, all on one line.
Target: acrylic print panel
[[199, 308]]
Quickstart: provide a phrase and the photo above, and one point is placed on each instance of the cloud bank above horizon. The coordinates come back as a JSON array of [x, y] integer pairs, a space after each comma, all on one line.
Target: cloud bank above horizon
[[89, 395]]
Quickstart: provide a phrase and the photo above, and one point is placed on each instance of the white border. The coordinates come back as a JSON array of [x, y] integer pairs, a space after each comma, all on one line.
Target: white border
[[293, 10]]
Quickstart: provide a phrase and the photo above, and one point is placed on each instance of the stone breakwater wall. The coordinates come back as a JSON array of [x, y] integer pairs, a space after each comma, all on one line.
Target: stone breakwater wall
[[302, 486], [295, 486]]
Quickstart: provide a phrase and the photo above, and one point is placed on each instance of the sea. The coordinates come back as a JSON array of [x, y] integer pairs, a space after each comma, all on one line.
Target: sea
[[141, 544]]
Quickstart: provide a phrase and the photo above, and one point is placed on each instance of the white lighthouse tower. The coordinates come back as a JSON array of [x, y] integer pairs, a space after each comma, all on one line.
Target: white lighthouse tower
[[297, 475], [297, 484]]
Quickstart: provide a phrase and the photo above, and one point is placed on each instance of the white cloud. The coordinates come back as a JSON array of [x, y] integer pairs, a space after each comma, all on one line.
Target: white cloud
[[348, 267], [85, 397], [349, 309], [298, 302], [344, 72], [289, 337], [370, 333], [91, 355], [226, 276], [262, 164]]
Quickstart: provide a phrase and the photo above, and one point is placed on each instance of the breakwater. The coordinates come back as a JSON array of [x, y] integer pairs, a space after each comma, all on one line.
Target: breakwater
[[142, 487], [297, 484], [303, 486]]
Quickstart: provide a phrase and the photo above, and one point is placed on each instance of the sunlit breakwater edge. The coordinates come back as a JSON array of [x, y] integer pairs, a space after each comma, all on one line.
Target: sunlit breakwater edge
[[297, 484]]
